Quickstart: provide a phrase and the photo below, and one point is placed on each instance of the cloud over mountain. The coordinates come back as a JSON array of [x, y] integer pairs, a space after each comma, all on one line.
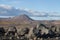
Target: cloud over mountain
[[6, 10]]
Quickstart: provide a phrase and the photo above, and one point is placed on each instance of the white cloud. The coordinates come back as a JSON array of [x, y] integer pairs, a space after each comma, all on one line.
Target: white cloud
[[28, 11], [6, 6]]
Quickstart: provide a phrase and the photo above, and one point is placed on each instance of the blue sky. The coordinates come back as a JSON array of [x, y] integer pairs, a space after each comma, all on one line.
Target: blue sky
[[35, 5], [38, 5]]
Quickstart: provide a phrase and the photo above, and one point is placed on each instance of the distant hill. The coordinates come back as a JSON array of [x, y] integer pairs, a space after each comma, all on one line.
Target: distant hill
[[22, 19]]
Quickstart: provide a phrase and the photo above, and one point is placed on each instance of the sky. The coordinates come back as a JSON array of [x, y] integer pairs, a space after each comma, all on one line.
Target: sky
[[38, 5], [35, 5]]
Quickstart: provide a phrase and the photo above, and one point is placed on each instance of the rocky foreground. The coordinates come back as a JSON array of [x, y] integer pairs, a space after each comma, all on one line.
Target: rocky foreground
[[40, 32]]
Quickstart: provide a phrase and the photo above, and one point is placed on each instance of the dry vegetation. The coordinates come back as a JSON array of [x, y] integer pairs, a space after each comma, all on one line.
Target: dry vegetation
[[24, 28], [19, 33]]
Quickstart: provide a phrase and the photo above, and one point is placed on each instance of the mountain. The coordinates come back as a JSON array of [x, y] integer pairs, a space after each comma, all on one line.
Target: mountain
[[22, 19]]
